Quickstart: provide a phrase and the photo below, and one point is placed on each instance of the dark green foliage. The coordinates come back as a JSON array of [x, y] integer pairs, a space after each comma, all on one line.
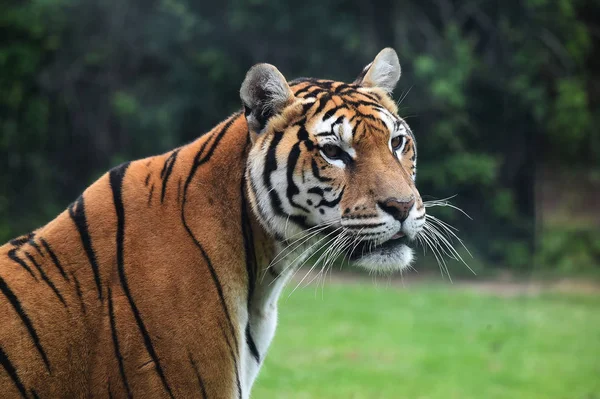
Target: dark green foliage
[[491, 89], [570, 250]]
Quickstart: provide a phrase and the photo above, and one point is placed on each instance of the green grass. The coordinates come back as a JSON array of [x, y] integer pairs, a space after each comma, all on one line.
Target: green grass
[[363, 341]]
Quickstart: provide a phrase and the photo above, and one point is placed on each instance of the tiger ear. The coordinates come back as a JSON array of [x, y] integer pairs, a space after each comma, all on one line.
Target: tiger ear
[[264, 93], [383, 72]]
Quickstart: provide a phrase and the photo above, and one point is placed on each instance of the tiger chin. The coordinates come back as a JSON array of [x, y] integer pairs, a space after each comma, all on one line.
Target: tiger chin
[[162, 278]]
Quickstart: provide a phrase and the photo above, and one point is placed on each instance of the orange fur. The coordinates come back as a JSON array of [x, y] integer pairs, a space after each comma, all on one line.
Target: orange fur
[[167, 277]]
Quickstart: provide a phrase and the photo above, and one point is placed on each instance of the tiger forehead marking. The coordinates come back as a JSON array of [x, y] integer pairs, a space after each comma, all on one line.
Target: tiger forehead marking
[[347, 113]]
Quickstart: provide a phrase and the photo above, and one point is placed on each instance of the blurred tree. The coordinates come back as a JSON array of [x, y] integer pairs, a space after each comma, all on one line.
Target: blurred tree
[[30, 116]]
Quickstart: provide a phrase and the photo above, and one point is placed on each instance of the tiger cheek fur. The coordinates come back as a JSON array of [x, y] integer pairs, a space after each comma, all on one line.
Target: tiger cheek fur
[[162, 278]]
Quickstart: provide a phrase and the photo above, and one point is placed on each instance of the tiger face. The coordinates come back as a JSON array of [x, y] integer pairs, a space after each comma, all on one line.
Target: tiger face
[[334, 162]]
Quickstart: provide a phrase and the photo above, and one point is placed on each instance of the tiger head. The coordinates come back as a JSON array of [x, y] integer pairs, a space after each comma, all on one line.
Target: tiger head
[[334, 161]]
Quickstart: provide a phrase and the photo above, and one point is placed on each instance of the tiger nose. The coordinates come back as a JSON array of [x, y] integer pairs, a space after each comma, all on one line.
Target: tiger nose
[[398, 209]]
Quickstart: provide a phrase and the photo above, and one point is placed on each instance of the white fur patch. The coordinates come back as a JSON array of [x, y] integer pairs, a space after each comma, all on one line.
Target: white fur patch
[[388, 262]]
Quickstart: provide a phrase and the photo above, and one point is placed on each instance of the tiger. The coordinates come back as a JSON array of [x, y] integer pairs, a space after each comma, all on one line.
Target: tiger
[[162, 279]]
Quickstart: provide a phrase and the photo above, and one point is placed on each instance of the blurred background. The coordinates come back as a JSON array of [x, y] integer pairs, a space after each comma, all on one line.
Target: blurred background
[[503, 97]]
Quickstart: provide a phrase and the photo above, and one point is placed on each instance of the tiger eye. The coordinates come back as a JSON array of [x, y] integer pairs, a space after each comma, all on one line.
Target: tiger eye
[[332, 151], [397, 142]]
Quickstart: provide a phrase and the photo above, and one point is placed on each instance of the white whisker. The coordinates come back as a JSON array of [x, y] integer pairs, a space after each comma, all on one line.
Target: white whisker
[[440, 260], [449, 246], [315, 263], [315, 230], [444, 203], [446, 227]]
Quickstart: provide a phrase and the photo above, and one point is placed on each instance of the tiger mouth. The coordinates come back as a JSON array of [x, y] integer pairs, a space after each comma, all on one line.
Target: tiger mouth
[[390, 246]]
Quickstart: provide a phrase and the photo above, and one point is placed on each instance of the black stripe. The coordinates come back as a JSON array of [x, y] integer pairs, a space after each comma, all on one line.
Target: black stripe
[[324, 83], [77, 213], [332, 203], [370, 96], [330, 113], [305, 90], [34, 394], [147, 180], [197, 373], [306, 107], [341, 87], [115, 339], [262, 213], [150, 194], [356, 127], [316, 190], [250, 264], [36, 246], [12, 372], [235, 364], [10, 295], [414, 143], [166, 173], [54, 259], [13, 256], [116, 176], [46, 279], [374, 234], [316, 173], [272, 270], [323, 101], [303, 169], [270, 167], [361, 216], [357, 103], [364, 225], [211, 150], [19, 241], [338, 120], [199, 160], [325, 134], [251, 343], [293, 156], [79, 293]]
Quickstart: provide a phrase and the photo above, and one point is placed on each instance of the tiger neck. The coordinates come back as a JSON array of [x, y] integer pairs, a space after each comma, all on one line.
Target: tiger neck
[[260, 282], [223, 185], [270, 274]]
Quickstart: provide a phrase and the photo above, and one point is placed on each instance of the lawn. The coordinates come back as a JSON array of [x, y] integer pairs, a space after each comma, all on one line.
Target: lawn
[[436, 341]]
